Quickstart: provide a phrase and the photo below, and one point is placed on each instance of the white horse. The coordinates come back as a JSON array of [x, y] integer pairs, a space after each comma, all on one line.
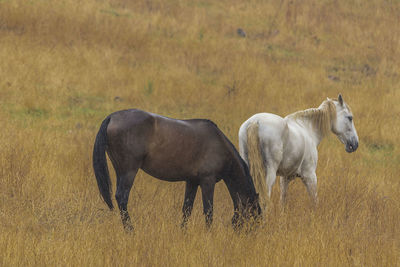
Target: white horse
[[272, 145]]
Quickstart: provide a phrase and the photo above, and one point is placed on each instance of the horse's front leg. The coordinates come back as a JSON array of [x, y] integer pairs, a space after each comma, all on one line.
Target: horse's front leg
[[190, 195], [207, 192]]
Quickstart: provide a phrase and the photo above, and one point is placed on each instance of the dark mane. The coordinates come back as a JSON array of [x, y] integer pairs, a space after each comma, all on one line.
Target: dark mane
[[244, 165], [204, 120], [231, 146], [234, 150]]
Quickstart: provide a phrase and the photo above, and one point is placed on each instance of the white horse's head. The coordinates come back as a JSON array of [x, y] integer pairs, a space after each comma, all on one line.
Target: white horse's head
[[343, 127]]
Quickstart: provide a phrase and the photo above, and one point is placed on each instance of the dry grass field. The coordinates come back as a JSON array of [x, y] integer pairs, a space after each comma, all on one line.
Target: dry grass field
[[65, 65]]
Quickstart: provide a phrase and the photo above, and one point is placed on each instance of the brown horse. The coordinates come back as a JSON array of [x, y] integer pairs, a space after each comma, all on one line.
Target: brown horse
[[195, 151]]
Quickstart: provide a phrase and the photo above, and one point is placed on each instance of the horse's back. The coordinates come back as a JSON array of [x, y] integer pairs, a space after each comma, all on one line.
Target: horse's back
[[189, 139], [272, 134], [166, 148], [271, 127], [124, 119], [183, 149]]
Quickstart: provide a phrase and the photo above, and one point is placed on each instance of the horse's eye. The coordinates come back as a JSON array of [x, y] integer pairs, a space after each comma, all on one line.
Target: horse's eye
[[350, 118]]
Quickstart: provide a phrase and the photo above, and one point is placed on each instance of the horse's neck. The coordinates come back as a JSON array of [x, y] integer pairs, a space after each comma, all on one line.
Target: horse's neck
[[235, 167], [238, 182], [235, 171], [316, 121], [309, 124], [313, 132]]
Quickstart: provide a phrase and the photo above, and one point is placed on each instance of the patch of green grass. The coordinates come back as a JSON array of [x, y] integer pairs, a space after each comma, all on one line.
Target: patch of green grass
[[85, 111], [201, 34], [380, 152], [26, 113], [202, 4], [80, 105], [36, 112], [280, 52], [115, 13], [149, 88], [383, 148]]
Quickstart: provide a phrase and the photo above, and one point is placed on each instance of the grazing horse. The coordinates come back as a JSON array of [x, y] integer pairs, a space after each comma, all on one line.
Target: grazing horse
[[287, 147], [195, 151]]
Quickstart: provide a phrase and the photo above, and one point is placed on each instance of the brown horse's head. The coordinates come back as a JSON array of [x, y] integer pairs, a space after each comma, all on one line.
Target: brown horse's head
[[255, 209], [247, 211], [245, 198]]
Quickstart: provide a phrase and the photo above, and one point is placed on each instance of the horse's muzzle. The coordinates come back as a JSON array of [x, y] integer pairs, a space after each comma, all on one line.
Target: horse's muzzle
[[352, 145]]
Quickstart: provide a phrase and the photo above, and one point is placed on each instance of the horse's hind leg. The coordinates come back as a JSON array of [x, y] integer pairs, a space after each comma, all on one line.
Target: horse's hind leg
[[272, 155], [124, 185], [207, 193], [310, 181], [284, 186], [285, 180], [190, 194], [270, 177]]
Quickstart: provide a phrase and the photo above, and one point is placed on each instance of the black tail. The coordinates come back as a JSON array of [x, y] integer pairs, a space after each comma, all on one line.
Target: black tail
[[100, 163]]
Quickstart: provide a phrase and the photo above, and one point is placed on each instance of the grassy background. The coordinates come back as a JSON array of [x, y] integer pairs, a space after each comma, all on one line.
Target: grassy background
[[65, 65]]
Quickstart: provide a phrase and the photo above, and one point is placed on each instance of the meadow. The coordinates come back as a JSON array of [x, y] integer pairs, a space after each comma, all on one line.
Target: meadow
[[65, 65]]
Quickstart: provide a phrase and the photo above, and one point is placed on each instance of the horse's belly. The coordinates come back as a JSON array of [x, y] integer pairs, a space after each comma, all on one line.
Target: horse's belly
[[168, 171], [288, 172], [288, 167]]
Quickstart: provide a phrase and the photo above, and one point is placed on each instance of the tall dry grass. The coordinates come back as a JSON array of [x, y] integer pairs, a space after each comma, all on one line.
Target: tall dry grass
[[66, 64]]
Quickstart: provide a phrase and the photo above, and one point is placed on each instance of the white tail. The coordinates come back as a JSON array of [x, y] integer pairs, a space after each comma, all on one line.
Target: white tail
[[256, 162]]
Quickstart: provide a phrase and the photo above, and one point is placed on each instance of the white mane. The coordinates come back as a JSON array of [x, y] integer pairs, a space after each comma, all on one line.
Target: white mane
[[321, 117]]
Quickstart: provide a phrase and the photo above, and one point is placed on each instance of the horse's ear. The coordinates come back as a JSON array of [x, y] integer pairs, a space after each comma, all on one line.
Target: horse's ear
[[340, 99]]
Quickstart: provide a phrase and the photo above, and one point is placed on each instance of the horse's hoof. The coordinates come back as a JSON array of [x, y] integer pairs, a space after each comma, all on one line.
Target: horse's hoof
[[128, 228], [183, 226]]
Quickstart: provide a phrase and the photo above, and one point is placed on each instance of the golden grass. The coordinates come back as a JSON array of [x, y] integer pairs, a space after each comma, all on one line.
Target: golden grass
[[66, 64]]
